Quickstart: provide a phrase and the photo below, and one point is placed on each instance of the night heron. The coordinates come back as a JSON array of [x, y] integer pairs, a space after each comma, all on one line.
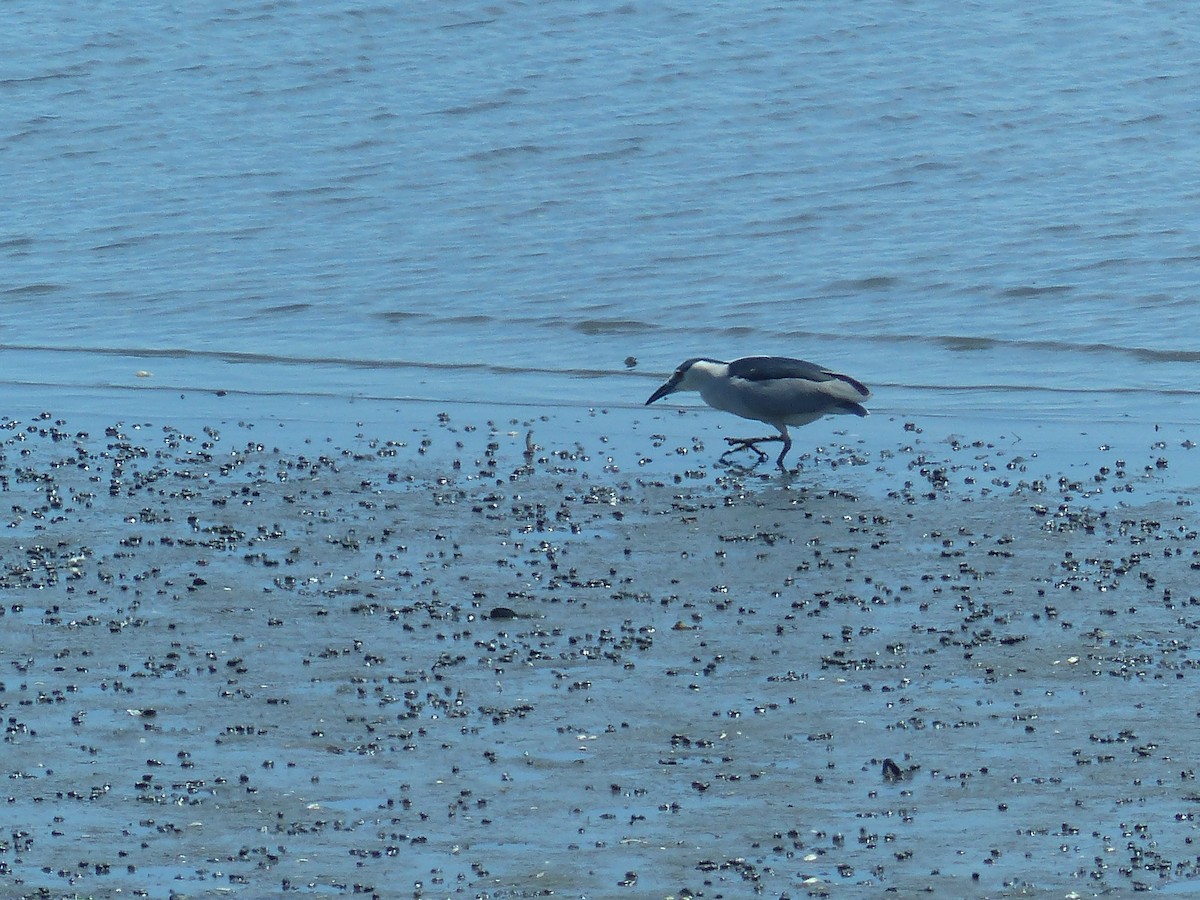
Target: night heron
[[772, 389]]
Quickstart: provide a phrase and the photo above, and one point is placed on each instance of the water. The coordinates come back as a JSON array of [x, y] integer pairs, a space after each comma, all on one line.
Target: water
[[290, 218], [983, 211]]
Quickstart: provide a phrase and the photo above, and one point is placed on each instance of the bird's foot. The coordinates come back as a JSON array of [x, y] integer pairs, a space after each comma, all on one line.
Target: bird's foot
[[736, 444]]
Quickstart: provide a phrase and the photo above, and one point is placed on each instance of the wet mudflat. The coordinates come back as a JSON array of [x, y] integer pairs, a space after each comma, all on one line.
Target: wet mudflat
[[462, 664]]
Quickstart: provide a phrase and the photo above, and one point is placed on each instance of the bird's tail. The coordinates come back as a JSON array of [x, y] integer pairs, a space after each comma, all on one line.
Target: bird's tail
[[861, 390], [850, 408]]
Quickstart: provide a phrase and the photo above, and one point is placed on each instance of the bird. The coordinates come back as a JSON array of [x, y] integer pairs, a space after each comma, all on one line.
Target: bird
[[778, 390]]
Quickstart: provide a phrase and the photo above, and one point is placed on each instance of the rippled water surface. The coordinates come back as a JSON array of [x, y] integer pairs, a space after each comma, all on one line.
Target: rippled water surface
[[982, 210]]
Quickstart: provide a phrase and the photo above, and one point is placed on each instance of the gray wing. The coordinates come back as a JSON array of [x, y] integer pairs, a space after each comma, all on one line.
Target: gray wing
[[773, 368]]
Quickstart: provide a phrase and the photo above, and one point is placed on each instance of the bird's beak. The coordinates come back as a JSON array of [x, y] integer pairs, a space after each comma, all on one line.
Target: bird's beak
[[668, 388]]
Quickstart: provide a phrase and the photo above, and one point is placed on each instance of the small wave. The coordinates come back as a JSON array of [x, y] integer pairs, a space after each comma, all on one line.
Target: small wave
[[738, 331], [502, 152], [968, 343], [398, 316], [953, 342], [1110, 263], [1061, 228], [631, 147], [285, 309], [120, 245], [33, 290], [1144, 354], [611, 326], [473, 23], [242, 357], [871, 283], [1021, 388], [471, 108], [34, 79], [475, 319], [1025, 291]]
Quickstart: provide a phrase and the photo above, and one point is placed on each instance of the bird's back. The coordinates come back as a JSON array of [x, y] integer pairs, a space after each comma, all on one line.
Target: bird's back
[[760, 369]]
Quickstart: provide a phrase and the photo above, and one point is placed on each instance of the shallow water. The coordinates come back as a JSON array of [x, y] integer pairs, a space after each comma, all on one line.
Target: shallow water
[[976, 211]]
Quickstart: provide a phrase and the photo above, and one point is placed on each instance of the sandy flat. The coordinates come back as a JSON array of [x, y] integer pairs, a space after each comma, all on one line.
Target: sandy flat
[[444, 666]]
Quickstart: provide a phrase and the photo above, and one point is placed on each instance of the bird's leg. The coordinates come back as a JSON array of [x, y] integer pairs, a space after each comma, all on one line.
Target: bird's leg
[[751, 444], [787, 445]]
